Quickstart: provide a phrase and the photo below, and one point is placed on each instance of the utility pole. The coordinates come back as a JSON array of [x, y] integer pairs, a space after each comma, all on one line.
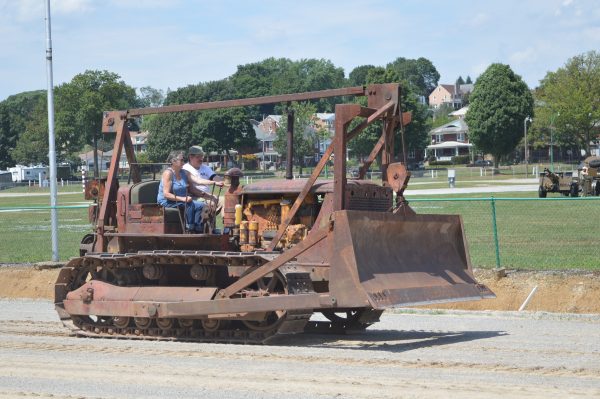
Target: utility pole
[[527, 119], [51, 147]]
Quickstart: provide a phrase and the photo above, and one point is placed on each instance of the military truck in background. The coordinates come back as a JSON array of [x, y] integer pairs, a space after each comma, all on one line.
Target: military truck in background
[[589, 179], [558, 182]]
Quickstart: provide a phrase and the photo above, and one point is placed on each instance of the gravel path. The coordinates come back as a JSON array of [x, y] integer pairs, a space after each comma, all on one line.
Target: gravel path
[[472, 190], [408, 354]]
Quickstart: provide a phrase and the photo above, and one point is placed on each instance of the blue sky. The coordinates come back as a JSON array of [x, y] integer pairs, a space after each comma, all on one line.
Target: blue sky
[[174, 43]]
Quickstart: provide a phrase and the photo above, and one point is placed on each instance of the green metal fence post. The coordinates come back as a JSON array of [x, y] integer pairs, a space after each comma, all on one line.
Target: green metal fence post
[[495, 232]]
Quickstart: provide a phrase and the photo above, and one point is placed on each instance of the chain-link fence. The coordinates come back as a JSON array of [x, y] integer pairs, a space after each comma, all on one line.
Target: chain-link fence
[[526, 233]]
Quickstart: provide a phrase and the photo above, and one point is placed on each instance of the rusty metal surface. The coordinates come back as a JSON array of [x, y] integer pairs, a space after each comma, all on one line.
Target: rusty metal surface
[[233, 197], [344, 114], [111, 121], [94, 189], [102, 291], [347, 91], [387, 156], [96, 297], [427, 262], [289, 160], [398, 177], [132, 242], [108, 209], [380, 94]]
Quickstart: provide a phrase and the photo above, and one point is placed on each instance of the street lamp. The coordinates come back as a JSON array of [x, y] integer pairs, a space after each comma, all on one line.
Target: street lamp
[[554, 116], [527, 119]]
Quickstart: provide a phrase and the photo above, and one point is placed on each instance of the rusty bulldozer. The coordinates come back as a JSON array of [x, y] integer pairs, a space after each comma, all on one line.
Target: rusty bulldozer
[[345, 248]]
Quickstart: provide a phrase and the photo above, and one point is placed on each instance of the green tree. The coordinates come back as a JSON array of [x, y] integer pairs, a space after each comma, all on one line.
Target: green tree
[[469, 81], [498, 105], [7, 140], [32, 145], [15, 112], [358, 76], [421, 74], [79, 107], [305, 134], [169, 132], [440, 115], [215, 130], [569, 99], [150, 97], [460, 81], [280, 76], [226, 129]]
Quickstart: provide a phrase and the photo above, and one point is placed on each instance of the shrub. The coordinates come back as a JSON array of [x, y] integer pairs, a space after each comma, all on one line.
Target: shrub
[[440, 163], [460, 160]]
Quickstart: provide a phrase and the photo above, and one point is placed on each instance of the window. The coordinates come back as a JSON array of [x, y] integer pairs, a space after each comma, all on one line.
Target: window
[[439, 138], [460, 137]]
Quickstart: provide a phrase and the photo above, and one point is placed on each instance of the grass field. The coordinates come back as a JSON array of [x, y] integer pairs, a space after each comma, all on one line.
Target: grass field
[[549, 234], [25, 235]]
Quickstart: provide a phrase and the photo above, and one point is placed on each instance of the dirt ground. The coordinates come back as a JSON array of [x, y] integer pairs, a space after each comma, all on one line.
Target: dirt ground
[[570, 292]]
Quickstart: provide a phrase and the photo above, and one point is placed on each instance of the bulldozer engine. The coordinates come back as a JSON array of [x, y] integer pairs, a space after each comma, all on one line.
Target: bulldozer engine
[[264, 217], [283, 250]]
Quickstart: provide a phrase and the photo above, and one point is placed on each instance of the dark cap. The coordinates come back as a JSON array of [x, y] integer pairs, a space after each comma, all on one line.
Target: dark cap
[[195, 150]]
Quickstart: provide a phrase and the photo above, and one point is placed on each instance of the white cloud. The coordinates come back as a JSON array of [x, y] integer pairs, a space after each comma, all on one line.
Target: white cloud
[[145, 4], [71, 6], [527, 55], [23, 11], [479, 19], [592, 34]]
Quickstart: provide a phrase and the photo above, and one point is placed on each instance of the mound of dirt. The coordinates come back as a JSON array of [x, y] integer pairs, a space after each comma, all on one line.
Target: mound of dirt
[[571, 292], [557, 291]]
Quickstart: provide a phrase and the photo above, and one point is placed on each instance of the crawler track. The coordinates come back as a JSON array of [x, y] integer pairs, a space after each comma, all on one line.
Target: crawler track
[[126, 270]]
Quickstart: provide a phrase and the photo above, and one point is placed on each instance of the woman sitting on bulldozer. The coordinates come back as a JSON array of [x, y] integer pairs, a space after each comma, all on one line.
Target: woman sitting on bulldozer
[[174, 188]]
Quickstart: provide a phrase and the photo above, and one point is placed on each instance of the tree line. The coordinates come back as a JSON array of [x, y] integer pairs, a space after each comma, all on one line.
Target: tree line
[[566, 102], [564, 108]]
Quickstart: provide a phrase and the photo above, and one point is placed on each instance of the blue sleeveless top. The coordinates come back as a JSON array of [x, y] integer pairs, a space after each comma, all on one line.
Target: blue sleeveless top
[[178, 187]]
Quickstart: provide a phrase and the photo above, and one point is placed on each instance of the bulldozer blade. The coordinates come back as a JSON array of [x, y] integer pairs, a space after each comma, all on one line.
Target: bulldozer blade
[[391, 260]]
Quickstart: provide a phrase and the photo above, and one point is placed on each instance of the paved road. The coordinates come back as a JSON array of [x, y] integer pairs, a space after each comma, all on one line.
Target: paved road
[[412, 354], [470, 190], [481, 186]]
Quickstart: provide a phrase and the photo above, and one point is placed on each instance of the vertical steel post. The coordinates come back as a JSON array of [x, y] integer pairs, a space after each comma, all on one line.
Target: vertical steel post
[[289, 171], [339, 163], [51, 146], [495, 228], [525, 152]]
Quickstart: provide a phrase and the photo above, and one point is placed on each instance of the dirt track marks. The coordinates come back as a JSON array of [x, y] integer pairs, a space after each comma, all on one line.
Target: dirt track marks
[[465, 355]]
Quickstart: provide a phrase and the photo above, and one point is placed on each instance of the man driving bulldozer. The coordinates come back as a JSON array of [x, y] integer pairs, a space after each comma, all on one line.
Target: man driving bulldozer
[[202, 175]]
